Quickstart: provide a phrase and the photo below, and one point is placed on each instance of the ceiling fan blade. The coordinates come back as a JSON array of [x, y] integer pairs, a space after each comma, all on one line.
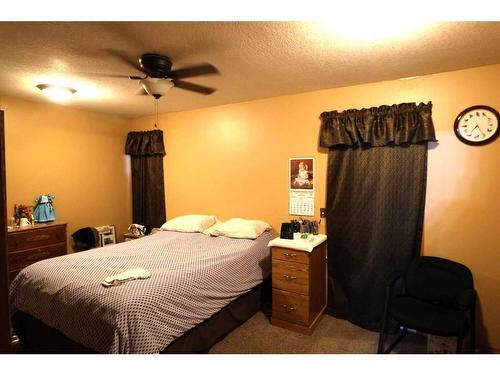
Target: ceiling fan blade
[[193, 71], [133, 63], [193, 87], [141, 91], [106, 75]]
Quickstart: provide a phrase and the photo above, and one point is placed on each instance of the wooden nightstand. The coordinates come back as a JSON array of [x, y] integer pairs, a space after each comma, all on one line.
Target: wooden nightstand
[[299, 283], [31, 244]]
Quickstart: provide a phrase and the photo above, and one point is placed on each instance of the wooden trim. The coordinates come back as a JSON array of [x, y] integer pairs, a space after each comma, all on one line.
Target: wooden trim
[[5, 339]]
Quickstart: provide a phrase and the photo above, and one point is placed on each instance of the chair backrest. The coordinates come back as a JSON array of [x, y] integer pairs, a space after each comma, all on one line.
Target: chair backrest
[[85, 238], [437, 280]]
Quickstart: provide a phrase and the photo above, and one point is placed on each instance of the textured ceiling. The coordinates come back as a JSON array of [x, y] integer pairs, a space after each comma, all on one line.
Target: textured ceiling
[[255, 59]]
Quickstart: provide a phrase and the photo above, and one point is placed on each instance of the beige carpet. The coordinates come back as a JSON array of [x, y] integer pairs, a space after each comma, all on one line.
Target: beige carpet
[[258, 336]]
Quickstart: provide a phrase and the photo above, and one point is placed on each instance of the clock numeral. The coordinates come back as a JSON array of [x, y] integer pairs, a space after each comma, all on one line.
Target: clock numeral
[[490, 130], [476, 137]]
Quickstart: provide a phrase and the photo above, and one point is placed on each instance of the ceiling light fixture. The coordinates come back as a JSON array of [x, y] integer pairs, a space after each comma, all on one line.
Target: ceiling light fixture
[[157, 87], [56, 93], [373, 29]]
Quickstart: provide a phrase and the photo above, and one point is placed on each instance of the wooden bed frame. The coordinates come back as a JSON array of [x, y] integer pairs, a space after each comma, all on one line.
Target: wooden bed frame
[[37, 337]]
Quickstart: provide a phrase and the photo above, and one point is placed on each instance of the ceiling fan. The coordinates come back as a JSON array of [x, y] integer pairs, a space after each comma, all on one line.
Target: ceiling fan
[[159, 77]]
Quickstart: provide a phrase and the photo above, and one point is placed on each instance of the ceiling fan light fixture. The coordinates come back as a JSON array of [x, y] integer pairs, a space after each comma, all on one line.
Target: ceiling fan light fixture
[[55, 93], [157, 87]]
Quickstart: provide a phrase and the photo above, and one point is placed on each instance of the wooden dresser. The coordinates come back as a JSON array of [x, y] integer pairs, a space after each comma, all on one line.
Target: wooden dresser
[[299, 286], [34, 243]]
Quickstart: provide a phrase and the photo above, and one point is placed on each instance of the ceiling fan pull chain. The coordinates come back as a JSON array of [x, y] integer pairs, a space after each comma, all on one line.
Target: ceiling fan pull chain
[[156, 113]]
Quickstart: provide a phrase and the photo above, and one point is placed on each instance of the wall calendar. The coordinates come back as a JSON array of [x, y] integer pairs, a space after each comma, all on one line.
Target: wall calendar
[[301, 186]]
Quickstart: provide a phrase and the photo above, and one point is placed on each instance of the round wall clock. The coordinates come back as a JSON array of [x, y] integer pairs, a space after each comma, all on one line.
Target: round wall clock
[[477, 125]]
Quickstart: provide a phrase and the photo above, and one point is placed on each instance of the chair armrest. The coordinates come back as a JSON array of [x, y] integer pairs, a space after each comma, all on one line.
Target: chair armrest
[[392, 279], [467, 299]]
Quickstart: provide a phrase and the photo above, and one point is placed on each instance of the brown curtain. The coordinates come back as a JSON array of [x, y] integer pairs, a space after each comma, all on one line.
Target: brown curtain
[[146, 150], [398, 124], [377, 168]]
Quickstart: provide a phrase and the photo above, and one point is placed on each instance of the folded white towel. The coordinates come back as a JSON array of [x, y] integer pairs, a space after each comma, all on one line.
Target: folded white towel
[[130, 274]]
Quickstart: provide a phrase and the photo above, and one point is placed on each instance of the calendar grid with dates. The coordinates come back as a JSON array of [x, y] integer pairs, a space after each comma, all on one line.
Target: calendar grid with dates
[[301, 203]]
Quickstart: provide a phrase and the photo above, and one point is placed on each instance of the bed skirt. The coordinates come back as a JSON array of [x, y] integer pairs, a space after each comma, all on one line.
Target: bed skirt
[[37, 337]]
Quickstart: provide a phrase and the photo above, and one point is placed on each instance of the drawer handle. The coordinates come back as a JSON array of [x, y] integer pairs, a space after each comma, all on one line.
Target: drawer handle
[[40, 237], [289, 308], [288, 278], [290, 255]]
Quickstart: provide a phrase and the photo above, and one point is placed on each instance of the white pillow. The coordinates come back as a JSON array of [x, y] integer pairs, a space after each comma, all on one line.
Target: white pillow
[[241, 228], [211, 231], [189, 223]]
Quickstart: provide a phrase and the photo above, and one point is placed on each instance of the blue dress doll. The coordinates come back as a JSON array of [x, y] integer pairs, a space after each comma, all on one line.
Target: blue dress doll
[[44, 212]]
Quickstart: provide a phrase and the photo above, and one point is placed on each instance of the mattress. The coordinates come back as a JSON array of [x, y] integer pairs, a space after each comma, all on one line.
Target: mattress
[[193, 277]]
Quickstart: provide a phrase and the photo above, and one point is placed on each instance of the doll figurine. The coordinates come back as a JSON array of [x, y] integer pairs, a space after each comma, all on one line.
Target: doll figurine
[[44, 212]]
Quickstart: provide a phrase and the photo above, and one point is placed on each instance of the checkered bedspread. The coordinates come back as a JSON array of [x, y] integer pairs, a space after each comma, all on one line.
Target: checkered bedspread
[[193, 277]]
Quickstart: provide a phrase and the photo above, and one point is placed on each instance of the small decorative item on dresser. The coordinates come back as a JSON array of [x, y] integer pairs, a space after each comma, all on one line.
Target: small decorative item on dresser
[[22, 215], [44, 212], [24, 222], [298, 282]]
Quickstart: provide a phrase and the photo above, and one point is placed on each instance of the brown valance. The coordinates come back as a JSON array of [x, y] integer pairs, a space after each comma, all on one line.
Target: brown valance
[[396, 124], [145, 143]]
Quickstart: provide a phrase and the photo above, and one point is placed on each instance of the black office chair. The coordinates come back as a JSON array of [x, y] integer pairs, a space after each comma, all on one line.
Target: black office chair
[[436, 296], [85, 238]]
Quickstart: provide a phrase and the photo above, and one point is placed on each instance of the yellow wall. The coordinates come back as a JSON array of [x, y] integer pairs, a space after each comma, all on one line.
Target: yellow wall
[[77, 156], [232, 160]]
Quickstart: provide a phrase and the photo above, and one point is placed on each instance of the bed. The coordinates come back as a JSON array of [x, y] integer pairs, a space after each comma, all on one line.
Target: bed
[[200, 288]]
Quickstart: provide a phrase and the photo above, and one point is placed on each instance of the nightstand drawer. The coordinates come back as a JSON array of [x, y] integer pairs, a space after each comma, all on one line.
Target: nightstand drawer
[[21, 259], [290, 276], [290, 255], [290, 307], [31, 238]]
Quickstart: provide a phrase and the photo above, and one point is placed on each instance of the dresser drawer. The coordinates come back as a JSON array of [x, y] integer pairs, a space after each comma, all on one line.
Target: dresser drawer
[[290, 307], [298, 256], [20, 259], [31, 238], [290, 276]]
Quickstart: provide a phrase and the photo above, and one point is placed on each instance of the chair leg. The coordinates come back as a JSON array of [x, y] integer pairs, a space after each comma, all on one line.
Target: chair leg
[[472, 344], [398, 339], [381, 339], [460, 339], [385, 320]]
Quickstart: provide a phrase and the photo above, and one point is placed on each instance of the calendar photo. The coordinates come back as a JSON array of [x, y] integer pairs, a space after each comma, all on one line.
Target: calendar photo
[[301, 173]]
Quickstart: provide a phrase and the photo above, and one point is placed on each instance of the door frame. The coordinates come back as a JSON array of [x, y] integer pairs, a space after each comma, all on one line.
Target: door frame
[[5, 333]]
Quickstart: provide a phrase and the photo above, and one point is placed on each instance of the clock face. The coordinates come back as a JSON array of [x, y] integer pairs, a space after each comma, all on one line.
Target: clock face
[[477, 125]]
